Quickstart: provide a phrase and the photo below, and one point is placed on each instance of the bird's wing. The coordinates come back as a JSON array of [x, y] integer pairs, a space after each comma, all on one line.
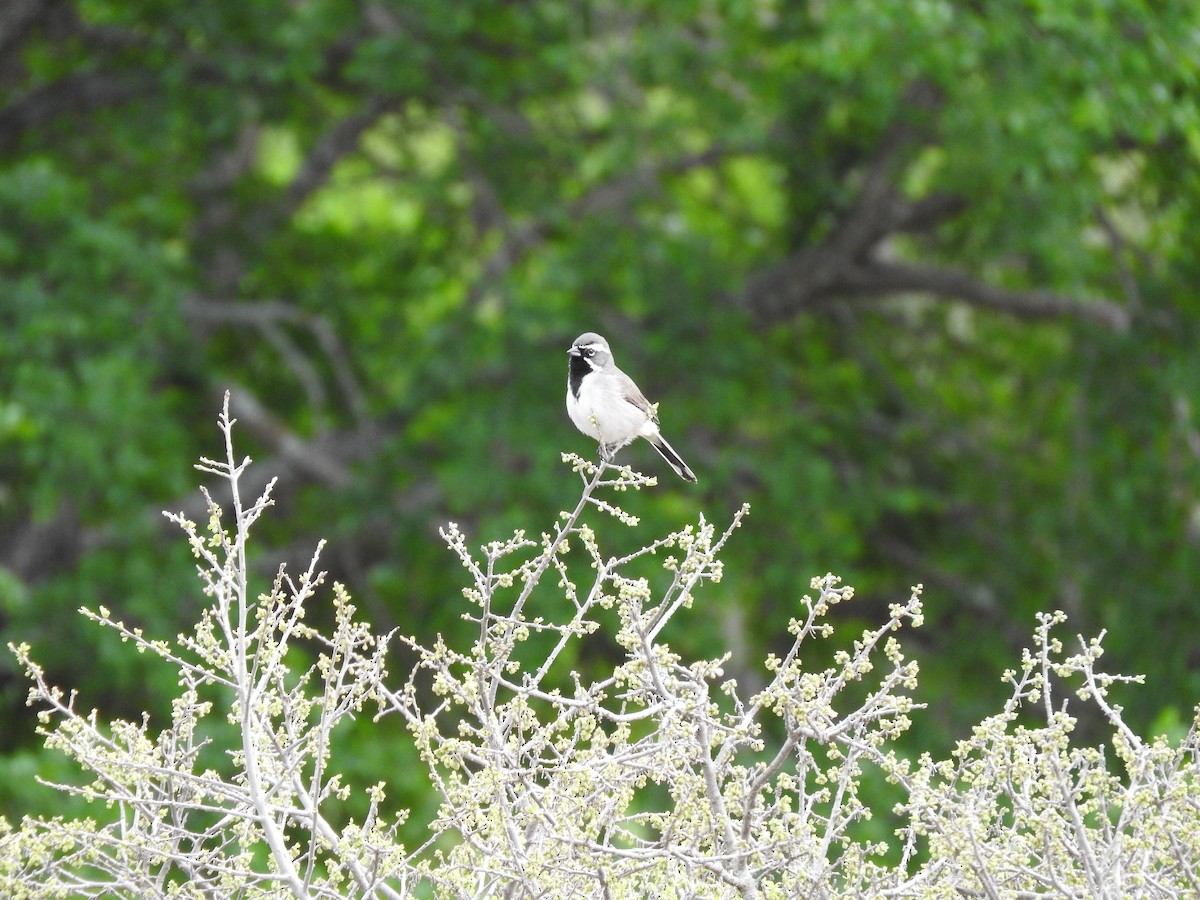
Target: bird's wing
[[632, 394]]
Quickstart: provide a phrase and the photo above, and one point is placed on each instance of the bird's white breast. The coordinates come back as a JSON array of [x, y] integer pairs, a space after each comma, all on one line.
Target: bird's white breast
[[602, 412]]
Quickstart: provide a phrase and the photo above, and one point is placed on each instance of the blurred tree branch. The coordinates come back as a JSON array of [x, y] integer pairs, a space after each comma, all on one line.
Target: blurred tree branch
[[852, 260], [611, 196], [18, 19], [337, 141], [268, 316], [878, 278], [73, 95]]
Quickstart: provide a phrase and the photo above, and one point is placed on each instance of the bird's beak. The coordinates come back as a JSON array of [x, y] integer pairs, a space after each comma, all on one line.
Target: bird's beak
[[574, 351]]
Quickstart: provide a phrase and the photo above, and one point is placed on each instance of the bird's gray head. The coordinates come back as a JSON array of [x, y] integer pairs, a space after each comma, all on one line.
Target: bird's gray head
[[593, 348]]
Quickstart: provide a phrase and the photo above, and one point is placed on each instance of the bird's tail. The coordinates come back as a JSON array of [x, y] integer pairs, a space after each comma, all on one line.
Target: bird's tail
[[667, 452]]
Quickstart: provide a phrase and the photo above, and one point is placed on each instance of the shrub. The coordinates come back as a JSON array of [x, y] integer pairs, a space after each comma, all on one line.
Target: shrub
[[658, 779]]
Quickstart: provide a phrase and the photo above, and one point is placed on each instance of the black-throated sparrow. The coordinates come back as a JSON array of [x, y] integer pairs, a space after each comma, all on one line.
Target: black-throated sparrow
[[605, 404]]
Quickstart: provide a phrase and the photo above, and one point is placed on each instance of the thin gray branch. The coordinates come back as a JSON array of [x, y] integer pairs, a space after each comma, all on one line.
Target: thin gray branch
[[309, 458]]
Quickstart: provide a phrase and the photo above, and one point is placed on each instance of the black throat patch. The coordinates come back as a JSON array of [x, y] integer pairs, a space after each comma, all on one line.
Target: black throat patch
[[575, 371]]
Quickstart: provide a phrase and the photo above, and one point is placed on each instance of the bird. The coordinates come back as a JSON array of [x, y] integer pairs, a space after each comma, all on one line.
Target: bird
[[605, 404]]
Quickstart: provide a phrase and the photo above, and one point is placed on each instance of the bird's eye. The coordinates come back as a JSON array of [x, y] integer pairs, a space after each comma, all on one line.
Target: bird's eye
[[588, 351]]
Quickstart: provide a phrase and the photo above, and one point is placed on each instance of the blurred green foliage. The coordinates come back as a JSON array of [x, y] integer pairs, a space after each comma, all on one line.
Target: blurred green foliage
[[915, 279]]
